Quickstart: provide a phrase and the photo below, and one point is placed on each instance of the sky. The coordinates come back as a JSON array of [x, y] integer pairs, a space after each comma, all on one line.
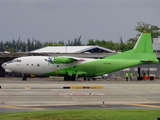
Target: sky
[[63, 20]]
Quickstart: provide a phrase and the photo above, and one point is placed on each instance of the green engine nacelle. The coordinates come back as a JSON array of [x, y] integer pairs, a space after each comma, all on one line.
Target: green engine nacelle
[[63, 60]]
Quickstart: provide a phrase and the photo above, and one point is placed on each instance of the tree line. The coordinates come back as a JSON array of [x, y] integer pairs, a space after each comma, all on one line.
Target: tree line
[[33, 44]]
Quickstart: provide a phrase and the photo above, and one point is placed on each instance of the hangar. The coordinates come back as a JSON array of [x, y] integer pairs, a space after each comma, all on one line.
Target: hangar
[[156, 45], [73, 49]]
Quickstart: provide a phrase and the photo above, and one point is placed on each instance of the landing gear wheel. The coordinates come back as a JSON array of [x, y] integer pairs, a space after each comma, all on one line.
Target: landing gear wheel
[[66, 77], [151, 78], [24, 78], [73, 78]]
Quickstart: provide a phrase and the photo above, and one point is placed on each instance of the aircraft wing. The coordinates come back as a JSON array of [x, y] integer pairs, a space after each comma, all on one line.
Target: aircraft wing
[[75, 58], [65, 59]]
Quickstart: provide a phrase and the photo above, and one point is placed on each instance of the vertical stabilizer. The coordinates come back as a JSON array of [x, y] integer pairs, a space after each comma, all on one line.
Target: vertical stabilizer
[[144, 44], [142, 51]]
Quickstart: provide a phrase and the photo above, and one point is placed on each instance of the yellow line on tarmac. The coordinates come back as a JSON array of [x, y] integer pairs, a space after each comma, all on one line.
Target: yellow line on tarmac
[[85, 87], [21, 107], [144, 105]]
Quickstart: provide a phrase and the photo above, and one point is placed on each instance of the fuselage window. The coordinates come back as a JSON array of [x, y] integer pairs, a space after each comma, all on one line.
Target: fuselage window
[[32, 64], [27, 64], [38, 65]]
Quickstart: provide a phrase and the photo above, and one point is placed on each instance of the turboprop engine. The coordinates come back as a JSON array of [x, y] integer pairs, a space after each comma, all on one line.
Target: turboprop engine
[[60, 60], [63, 60]]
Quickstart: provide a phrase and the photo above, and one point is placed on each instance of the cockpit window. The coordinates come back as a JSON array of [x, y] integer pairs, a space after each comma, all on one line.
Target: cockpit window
[[9, 61], [16, 60]]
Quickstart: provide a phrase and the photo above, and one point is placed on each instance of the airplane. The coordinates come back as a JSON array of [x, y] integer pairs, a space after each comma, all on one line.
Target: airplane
[[72, 68]]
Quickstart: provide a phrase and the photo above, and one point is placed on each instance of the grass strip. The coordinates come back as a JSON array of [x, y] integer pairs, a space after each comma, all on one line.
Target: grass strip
[[84, 115]]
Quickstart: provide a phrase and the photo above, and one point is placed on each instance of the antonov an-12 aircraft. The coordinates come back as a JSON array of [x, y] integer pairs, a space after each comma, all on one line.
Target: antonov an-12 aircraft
[[73, 67]]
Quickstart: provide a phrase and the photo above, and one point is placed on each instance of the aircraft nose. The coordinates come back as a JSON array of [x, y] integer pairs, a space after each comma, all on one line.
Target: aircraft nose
[[3, 65]]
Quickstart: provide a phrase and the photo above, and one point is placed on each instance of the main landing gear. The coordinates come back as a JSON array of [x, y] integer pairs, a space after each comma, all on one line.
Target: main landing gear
[[69, 78]]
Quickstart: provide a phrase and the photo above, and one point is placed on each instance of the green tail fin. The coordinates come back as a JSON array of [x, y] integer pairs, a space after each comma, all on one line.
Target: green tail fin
[[142, 50], [144, 44]]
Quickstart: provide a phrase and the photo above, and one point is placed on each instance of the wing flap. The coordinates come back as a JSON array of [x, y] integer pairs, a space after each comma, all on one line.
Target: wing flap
[[147, 61]]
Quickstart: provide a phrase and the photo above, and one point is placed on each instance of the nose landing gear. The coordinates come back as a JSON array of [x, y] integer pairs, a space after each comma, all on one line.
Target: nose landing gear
[[24, 77]]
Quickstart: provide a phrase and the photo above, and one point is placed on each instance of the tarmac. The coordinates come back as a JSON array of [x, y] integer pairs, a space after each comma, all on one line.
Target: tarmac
[[38, 94]]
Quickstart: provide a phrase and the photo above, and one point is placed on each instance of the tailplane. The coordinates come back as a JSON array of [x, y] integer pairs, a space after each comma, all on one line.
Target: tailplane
[[142, 51]]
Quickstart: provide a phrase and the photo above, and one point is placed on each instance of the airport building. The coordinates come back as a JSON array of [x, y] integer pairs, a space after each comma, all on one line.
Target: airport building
[[156, 45], [73, 49]]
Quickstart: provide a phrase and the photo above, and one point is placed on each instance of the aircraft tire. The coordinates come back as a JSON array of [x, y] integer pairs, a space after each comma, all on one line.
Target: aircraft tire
[[151, 78], [73, 78], [24, 78], [141, 78], [67, 78]]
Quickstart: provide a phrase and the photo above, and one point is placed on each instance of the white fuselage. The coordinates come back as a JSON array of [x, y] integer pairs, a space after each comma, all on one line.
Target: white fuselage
[[36, 65]]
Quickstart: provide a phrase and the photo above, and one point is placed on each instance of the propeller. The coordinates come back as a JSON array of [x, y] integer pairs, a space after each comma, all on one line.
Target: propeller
[[51, 60]]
